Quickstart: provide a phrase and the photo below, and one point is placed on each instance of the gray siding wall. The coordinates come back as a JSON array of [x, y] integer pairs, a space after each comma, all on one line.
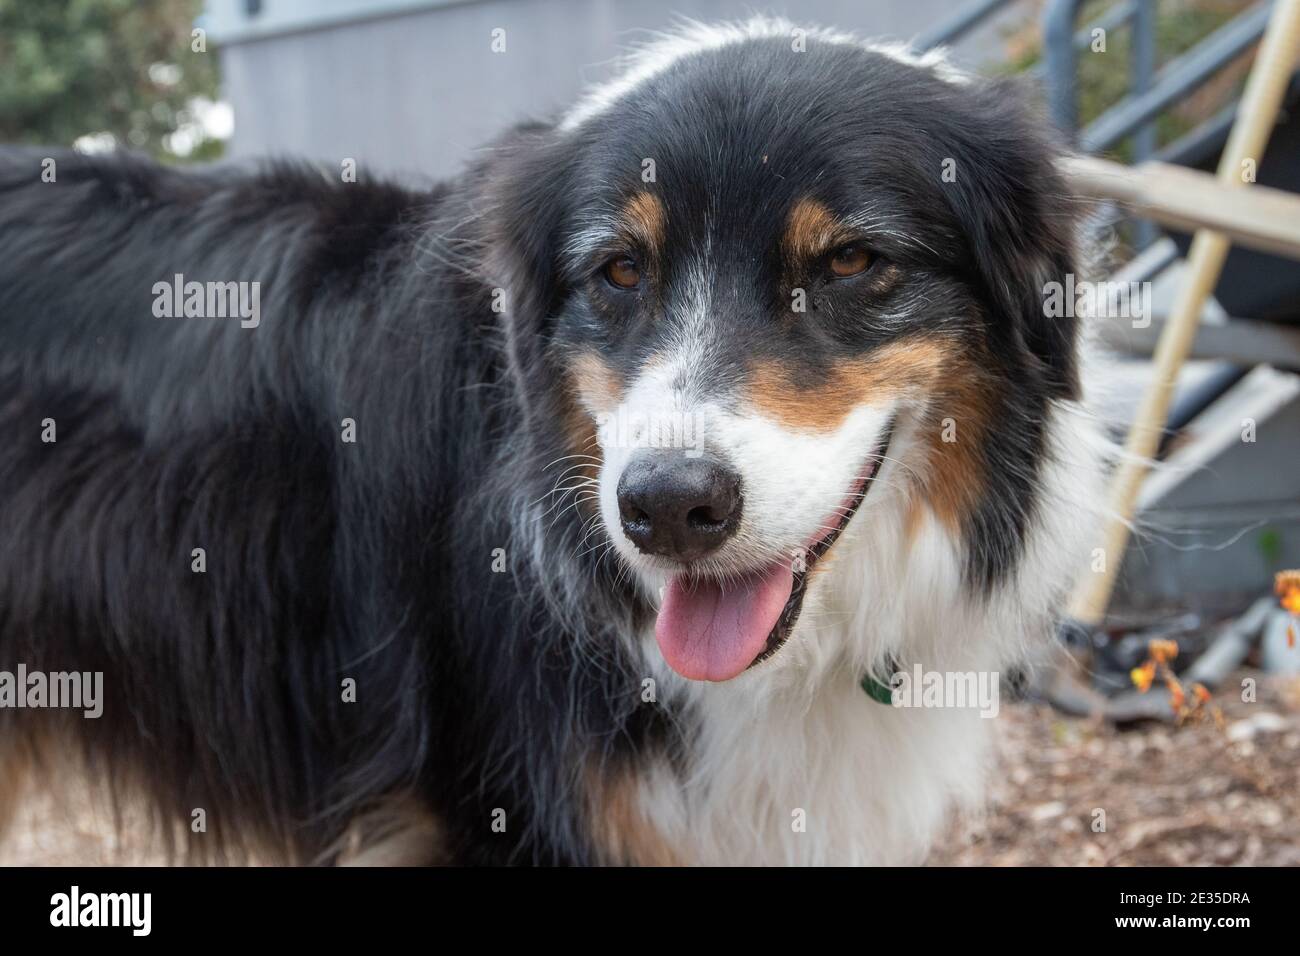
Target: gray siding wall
[[418, 91]]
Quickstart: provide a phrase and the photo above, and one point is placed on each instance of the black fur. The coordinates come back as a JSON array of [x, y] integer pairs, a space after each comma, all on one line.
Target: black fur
[[326, 560]]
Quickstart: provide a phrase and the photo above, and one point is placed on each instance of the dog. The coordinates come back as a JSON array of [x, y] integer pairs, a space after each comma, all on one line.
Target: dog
[[573, 511]]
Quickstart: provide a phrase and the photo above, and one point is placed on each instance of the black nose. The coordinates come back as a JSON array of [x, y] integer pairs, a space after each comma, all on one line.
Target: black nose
[[676, 506]]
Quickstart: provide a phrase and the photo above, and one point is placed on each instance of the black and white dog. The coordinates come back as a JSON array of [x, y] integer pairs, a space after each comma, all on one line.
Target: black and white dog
[[556, 514]]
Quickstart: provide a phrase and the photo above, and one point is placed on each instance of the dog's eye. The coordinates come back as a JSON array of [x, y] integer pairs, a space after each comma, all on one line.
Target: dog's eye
[[850, 260], [623, 272]]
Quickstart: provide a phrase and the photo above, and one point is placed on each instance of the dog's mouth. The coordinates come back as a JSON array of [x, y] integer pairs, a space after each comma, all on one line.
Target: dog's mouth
[[714, 629]]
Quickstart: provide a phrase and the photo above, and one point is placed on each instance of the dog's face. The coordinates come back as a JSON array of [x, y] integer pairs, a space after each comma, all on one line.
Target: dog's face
[[771, 278]]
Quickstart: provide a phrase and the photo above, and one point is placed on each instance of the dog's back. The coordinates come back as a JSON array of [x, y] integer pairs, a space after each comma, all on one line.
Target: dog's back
[[274, 532], [171, 486]]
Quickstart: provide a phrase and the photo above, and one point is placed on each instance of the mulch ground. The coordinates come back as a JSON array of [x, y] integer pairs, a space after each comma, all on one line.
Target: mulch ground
[[1196, 794]]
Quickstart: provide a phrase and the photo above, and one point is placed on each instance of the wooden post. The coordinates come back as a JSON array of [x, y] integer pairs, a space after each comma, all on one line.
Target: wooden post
[[1259, 108]]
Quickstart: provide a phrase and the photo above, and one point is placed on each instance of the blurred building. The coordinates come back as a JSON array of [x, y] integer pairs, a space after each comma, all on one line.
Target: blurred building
[[414, 85]]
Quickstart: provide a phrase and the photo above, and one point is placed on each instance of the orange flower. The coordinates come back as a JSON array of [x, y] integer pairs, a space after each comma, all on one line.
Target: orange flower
[[1287, 586], [1177, 697], [1202, 695], [1143, 676], [1163, 651]]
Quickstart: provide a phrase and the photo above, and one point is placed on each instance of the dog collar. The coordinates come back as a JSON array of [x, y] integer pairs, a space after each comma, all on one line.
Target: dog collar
[[880, 693]]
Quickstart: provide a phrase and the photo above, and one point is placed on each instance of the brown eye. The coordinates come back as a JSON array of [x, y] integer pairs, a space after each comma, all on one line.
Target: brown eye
[[623, 272], [850, 260]]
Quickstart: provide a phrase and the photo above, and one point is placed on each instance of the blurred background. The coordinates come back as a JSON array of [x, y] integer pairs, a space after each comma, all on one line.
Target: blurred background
[[411, 88]]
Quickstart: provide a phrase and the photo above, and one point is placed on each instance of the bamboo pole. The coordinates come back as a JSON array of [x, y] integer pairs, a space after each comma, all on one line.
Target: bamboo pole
[[1258, 218], [1259, 108]]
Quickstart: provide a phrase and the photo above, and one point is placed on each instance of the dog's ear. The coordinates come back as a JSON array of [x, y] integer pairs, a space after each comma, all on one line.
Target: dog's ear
[[1020, 225], [525, 185]]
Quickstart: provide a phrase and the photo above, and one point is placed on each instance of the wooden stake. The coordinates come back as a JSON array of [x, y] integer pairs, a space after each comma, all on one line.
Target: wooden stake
[[1259, 108]]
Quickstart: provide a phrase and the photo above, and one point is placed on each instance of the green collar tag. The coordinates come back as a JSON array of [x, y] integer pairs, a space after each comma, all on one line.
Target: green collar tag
[[880, 693]]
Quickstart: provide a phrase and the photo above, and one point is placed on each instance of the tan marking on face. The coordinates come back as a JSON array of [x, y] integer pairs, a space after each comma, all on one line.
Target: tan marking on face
[[594, 389], [879, 377], [622, 833], [594, 383], [646, 219], [810, 230], [930, 371], [956, 473]]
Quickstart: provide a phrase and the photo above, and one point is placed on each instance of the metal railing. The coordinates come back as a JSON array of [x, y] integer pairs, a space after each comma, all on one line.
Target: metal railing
[[1150, 92], [960, 23]]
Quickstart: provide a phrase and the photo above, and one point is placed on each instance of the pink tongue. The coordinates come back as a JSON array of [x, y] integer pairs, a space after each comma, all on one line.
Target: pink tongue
[[707, 632]]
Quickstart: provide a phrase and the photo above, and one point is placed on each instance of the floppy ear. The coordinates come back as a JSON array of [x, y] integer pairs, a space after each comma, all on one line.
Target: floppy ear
[[1020, 223], [526, 185]]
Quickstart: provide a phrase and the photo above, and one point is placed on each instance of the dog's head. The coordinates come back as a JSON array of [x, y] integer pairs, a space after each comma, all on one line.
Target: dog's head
[[785, 278]]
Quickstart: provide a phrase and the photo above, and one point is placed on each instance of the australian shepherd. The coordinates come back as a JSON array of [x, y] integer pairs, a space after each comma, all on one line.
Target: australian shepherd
[[572, 511]]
